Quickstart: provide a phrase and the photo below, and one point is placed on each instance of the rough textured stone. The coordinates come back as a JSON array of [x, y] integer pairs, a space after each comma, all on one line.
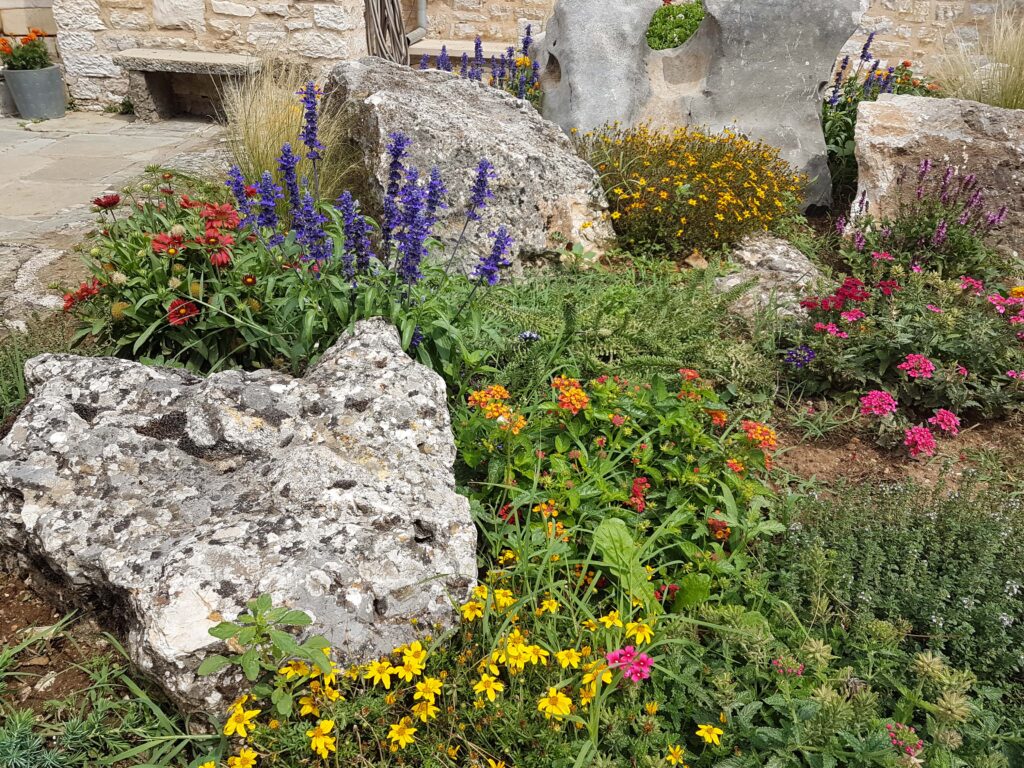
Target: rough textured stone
[[778, 274], [170, 499], [187, 62], [758, 67], [896, 133], [180, 14], [543, 187]]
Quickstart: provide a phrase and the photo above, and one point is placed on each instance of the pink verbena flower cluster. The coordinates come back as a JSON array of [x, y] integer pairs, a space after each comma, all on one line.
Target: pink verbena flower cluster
[[919, 440], [831, 329], [947, 421], [878, 402], [635, 666], [917, 366]]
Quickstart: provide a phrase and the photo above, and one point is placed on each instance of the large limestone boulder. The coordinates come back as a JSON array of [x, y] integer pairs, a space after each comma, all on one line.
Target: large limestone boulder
[[759, 67], [543, 188], [896, 133], [168, 500]]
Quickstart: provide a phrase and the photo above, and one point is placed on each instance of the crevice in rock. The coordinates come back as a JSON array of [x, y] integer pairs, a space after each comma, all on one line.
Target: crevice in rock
[[86, 412], [170, 426]]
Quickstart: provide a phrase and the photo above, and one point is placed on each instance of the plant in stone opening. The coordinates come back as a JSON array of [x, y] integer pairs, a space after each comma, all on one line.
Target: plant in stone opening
[[941, 224], [672, 192], [514, 71], [209, 284], [672, 25], [28, 52], [1000, 81], [852, 83]]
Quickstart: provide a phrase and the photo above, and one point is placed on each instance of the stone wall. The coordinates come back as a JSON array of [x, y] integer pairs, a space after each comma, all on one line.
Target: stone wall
[[331, 30], [914, 29], [91, 31]]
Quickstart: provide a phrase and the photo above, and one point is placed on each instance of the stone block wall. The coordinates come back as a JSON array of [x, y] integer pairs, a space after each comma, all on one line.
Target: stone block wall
[[16, 18], [90, 32], [907, 29]]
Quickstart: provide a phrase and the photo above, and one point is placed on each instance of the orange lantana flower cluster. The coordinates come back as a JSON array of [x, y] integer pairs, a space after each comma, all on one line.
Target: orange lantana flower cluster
[[571, 396], [491, 402]]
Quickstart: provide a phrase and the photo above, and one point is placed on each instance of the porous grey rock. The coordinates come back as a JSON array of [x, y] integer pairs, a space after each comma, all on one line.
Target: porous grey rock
[[778, 276], [543, 188], [758, 67], [170, 500], [896, 133]]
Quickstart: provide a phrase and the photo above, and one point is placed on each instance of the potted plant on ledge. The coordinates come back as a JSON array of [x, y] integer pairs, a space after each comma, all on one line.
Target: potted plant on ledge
[[35, 81]]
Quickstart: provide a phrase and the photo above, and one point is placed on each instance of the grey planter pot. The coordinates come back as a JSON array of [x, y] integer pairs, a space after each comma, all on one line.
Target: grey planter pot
[[38, 93]]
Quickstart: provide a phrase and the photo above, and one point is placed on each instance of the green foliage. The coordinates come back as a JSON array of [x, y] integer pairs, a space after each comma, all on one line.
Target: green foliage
[[28, 52], [52, 334], [949, 563], [646, 320], [265, 638], [675, 191], [673, 25], [854, 83]]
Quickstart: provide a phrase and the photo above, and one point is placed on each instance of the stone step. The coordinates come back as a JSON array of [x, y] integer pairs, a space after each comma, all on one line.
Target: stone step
[[186, 62]]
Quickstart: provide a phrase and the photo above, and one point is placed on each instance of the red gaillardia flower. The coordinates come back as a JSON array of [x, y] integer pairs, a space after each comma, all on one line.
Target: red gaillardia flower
[[249, 281], [220, 258], [181, 311], [165, 243], [106, 202]]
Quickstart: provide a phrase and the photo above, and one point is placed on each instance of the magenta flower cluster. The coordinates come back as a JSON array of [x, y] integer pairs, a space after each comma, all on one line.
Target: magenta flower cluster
[[919, 441], [635, 666], [877, 402], [904, 738], [917, 366]]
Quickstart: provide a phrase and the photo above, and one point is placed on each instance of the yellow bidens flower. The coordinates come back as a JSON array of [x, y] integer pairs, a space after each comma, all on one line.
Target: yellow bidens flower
[[239, 721], [651, 708], [424, 710], [319, 739], [402, 734], [570, 657], [428, 689], [555, 705], [611, 619], [379, 673], [503, 598], [472, 610], [208, 764], [641, 631], [246, 759], [548, 606], [710, 733], [294, 669], [675, 755], [488, 686]]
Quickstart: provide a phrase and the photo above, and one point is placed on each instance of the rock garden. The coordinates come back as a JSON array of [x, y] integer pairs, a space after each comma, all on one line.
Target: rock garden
[[649, 394]]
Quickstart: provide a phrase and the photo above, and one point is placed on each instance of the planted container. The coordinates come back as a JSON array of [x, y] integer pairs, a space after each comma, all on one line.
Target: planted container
[[37, 93]]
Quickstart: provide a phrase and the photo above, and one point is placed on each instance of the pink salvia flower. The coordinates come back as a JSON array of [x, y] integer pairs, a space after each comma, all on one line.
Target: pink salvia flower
[[917, 367], [947, 421], [919, 440]]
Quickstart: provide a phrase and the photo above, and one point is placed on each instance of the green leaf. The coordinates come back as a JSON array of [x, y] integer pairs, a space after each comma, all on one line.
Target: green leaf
[[694, 589], [284, 642], [212, 664], [621, 554], [250, 663], [224, 630], [296, 619]]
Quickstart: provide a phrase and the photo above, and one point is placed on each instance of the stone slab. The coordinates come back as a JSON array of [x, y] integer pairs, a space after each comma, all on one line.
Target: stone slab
[[187, 62]]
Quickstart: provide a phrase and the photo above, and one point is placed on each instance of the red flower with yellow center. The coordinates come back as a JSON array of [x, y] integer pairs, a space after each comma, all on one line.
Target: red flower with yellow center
[[181, 312], [166, 243], [106, 202], [249, 281]]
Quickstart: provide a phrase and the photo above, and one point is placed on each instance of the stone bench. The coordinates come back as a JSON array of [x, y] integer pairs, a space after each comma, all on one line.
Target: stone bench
[[154, 73]]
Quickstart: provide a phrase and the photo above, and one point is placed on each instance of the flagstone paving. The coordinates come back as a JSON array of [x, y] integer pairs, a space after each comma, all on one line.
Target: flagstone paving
[[51, 171]]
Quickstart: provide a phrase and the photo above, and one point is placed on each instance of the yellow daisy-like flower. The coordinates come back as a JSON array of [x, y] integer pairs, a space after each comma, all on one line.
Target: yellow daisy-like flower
[[488, 686], [537, 655], [549, 606], [208, 764], [240, 720], [570, 657], [427, 689], [611, 619], [641, 631], [590, 625], [319, 739], [246, 758], [380, 672], [675, 755], [555, 705], [424, 710], [503, 598], [710, 733], [402, 734], [308, 706], [408, 671], [492, 764], [472, 610], [480, 592], [651, 708]]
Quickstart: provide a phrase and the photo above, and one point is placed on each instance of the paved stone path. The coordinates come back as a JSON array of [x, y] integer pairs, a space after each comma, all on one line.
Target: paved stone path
[[49, 173]]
